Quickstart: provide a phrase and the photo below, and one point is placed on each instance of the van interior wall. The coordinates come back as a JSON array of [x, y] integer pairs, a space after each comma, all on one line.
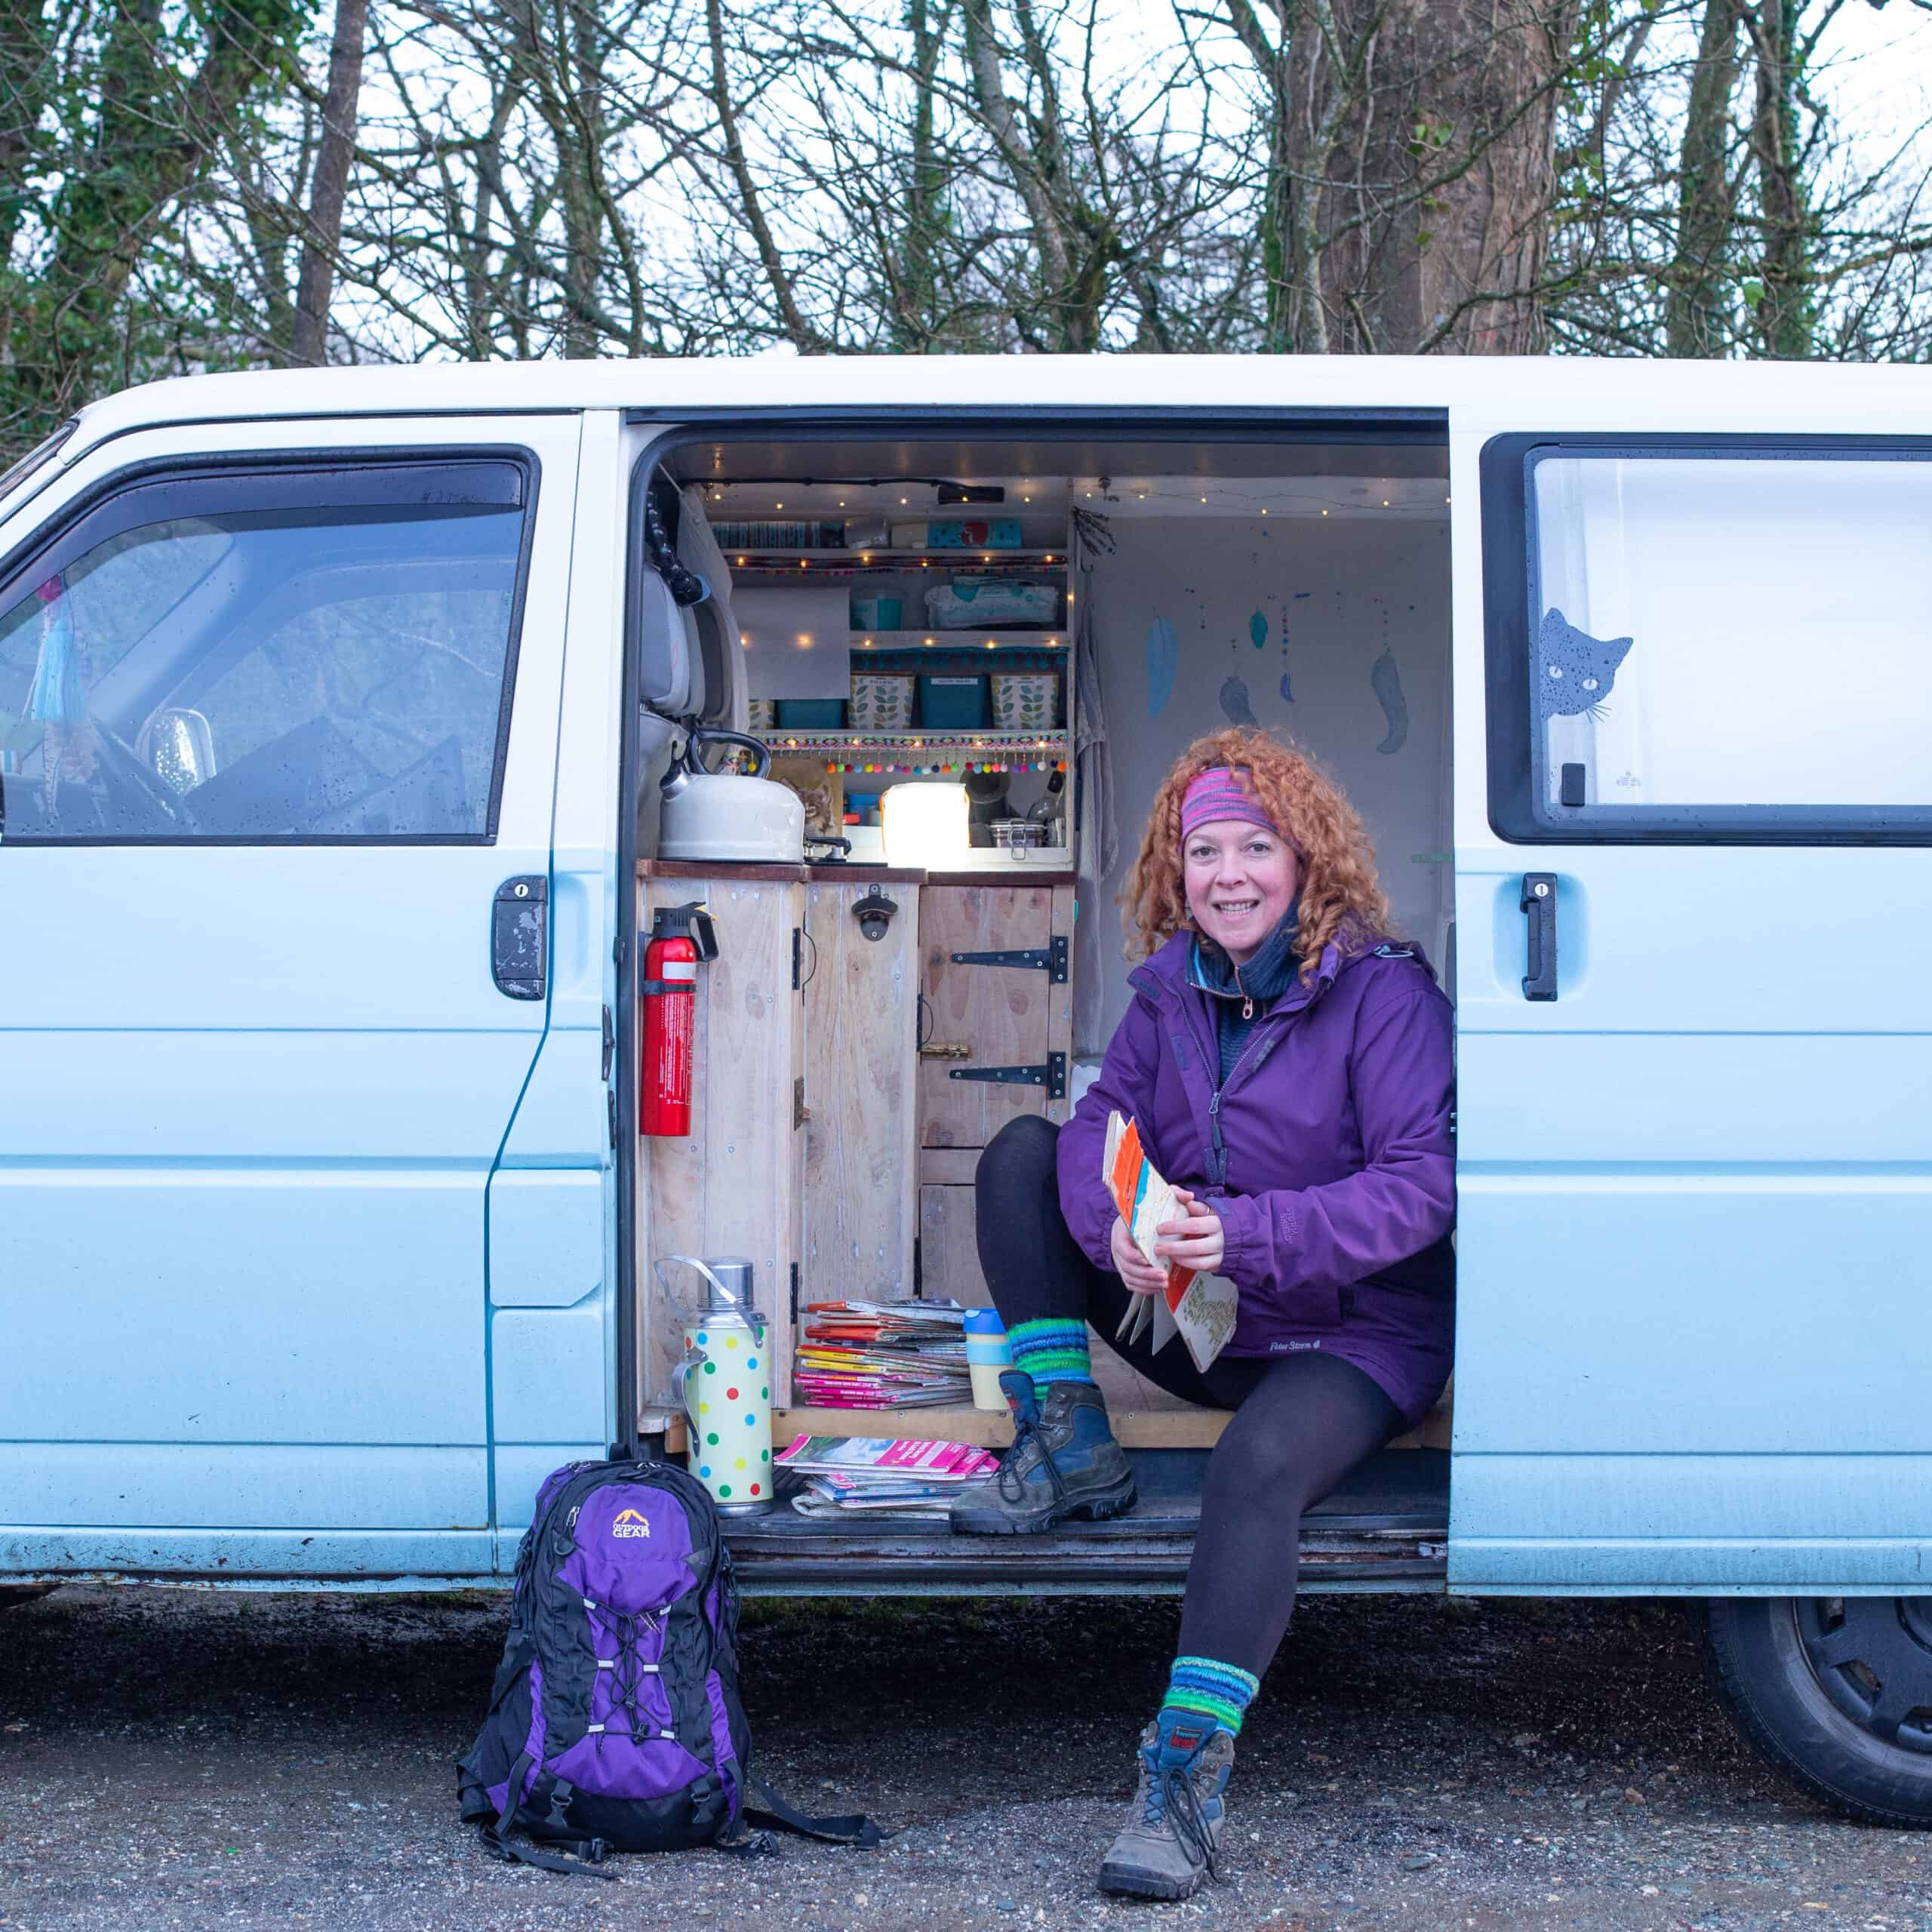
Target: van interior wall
[[1331, 631]]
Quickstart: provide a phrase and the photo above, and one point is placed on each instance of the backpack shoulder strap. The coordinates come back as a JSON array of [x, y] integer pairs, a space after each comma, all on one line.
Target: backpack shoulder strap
[[498, 1842], [777, 1815]]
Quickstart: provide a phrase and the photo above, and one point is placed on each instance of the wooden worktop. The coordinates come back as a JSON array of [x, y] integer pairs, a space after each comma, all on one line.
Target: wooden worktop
[[824, 875], [785, 875]]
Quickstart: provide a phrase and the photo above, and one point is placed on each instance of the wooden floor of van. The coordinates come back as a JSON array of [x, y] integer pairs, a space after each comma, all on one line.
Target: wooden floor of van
[[1387, 1529]]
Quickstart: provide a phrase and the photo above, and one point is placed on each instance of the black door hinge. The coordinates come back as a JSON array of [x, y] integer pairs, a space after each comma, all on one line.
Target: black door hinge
[[795, 1294], [520, 937], [610, 1042], [797, 957], [611, 1095], [918, 1265], [1052, 1076], [1050, 959]]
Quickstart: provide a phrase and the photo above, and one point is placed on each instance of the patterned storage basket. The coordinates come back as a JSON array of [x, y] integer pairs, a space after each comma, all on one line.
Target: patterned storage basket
[[1025, 701], [764, 715], [880, 701]]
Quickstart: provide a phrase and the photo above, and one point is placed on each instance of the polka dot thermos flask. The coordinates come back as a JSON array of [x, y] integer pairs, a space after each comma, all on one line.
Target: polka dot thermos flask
[[724, 1382]]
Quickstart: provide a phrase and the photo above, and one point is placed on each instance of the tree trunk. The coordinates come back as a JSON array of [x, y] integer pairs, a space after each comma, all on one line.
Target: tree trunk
[[1696, 321], [1421, 142], [328, 189], [915, 304], [802, 337], [1785, 314], [155, 141]]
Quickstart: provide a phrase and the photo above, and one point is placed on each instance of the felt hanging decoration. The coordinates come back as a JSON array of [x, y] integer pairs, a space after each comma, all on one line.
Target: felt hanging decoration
[[54, 698]]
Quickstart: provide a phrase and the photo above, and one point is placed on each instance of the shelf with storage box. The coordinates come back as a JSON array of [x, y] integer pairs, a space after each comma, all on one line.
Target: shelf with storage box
[[920, 642], [1044, 749], [792, 562]]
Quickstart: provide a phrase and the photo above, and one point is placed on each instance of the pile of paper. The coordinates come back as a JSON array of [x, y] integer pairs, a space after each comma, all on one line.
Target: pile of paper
[[1200, 1309], [881, 1354], [871, 1474]]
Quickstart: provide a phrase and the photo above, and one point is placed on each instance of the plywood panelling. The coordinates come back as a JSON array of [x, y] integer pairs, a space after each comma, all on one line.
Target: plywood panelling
[[949, 1167], [1002, 1016], [734, 1185], [860, 1091], [948, 1248]]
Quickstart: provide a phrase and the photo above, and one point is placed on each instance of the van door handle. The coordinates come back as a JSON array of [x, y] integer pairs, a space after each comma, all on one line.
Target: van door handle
[[519, 936], [1538, 906]]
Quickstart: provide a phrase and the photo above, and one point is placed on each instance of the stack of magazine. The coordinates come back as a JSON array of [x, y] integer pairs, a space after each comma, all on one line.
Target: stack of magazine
[[849, 1475], [881, 1354]]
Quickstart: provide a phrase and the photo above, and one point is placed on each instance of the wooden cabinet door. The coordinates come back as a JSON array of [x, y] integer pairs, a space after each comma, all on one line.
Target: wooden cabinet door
[[989, 1015], [860, 1015], [732, 1186]]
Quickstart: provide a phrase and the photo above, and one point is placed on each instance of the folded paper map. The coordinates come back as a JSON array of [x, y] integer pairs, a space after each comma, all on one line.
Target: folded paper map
[[1199, 1308]]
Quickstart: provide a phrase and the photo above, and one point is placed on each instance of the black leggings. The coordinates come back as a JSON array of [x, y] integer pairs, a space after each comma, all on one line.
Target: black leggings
[[1301, 1423]]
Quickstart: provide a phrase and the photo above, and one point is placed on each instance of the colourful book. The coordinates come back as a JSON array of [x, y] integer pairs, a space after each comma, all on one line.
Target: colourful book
[[1200, 1309]]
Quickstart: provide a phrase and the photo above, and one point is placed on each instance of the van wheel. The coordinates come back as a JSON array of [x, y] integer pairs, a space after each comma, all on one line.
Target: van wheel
[[1836, 1692]]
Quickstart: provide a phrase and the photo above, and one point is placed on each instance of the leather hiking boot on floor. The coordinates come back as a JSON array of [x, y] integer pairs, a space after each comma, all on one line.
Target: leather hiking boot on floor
[[1064, 1463], [1172, 1832]]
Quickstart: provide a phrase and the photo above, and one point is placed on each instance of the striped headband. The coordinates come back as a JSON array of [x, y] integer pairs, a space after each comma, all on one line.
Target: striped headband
[[1221, 793]]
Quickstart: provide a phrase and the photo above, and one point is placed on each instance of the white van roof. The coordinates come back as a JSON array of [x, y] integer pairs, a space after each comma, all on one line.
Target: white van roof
[[1843, 396]]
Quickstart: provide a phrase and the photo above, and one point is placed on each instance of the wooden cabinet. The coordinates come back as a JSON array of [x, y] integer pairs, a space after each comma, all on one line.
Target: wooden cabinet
[[735, 1184], [861, 1010], [1014, 1014]]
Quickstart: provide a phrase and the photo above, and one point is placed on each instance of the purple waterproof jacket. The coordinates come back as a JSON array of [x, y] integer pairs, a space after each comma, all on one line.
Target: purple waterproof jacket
[[1328, 1154]]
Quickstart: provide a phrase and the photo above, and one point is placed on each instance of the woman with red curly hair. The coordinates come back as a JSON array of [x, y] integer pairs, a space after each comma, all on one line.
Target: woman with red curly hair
[[1288, 1065]]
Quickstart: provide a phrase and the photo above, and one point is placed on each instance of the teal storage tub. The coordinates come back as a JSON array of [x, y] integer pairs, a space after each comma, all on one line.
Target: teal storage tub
[[952, 704], [811, 714]]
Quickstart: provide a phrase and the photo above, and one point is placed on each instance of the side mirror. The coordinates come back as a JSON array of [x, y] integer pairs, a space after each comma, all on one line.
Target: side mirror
[[179, 744]]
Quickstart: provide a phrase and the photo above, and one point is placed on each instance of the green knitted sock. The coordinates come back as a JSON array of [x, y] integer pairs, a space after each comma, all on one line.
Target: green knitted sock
[[1217, 1691], [1051, 1351]]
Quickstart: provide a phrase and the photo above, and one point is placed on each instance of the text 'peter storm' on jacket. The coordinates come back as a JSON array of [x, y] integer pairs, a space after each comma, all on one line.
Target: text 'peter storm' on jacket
[[1328, 1154]]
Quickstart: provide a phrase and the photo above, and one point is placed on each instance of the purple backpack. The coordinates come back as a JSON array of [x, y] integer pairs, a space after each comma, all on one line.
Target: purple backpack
[[614, 1723]]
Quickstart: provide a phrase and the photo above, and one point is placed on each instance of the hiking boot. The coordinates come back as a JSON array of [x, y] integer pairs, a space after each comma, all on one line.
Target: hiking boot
[[1064, 1463], [1172, 1832]]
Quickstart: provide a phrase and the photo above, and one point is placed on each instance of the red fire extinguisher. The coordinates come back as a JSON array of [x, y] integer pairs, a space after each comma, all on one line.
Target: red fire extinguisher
[[681, 937]]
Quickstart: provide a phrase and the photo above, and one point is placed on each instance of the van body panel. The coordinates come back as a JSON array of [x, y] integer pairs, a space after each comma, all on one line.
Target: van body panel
[[273, 1099], [267, 1559], [373, 1206], [546, 1236], [1695, 1188]]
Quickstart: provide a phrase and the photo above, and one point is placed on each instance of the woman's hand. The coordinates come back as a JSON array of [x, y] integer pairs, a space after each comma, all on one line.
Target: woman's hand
[[1141, 1277], [1196, 1242]]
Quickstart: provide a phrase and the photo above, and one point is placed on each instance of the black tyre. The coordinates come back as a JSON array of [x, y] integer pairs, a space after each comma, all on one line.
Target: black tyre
[[1836, 1692]]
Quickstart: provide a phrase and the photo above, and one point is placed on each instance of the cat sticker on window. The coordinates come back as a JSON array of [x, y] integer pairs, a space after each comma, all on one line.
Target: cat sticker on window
[[1574, 671]]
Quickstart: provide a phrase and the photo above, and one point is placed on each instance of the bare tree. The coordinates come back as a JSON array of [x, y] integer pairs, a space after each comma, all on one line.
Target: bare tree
[[328, 190]]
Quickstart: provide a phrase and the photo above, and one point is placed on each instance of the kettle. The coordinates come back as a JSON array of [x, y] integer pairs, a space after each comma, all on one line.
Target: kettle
[[724, 1383], [725, 815]]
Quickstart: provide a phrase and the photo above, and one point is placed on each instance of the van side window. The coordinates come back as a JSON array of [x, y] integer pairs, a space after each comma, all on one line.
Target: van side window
[[1720, 643], [286, 654]]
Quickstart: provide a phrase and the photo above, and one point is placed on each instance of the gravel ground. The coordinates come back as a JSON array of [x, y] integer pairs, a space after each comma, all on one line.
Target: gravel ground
[[169, 1758]]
